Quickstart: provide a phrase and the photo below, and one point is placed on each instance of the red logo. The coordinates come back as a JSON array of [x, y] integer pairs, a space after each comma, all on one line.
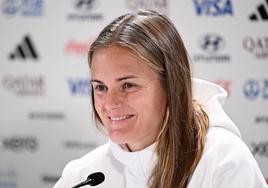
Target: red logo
[[77, 47], [226, 84]]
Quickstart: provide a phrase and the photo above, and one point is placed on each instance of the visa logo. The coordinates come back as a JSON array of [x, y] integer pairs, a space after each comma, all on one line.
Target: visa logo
[[80, 87], [213, 7]]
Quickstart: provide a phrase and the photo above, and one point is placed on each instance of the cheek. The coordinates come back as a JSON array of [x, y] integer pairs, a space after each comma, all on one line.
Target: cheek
[[148, 109], [98, 104], [154, 109]]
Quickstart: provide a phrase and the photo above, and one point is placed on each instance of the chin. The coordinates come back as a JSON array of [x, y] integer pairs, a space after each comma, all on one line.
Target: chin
[[117, 138]]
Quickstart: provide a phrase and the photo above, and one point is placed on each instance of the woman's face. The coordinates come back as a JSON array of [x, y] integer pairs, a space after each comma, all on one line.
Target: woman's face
[[129, 97]]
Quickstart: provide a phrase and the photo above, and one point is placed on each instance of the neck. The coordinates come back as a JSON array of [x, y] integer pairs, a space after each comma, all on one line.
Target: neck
[[134, 148], [125, 147]]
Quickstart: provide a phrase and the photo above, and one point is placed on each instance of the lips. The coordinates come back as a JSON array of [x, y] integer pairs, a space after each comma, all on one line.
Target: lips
[[120, 118]]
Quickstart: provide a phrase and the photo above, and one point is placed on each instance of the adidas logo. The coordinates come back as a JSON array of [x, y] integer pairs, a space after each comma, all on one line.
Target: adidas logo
[[261, 13], [25, 50]]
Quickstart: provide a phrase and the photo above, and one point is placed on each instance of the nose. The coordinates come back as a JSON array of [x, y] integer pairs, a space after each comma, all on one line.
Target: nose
[[113, 100]]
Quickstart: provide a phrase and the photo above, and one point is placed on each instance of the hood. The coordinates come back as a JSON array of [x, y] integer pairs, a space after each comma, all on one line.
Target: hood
[[212, 97]]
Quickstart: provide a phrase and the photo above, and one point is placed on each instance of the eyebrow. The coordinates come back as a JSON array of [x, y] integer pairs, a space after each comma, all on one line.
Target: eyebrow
[[125, 78], [118, 79]]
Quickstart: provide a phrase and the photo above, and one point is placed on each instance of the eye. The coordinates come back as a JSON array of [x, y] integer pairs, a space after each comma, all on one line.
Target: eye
[[100, 88], [128, 86]]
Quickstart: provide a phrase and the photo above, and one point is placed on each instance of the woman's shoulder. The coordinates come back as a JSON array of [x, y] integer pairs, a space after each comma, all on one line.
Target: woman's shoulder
[[225, 162], [97, 160], [223, 146], [94, 157], [225, 141], [96, 154]]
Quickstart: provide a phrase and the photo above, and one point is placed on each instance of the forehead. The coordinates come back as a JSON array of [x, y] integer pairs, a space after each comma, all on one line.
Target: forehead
[[118, 60]]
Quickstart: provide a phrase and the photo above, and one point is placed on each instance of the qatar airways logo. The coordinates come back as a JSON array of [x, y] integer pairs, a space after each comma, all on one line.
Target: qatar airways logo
[[257, 46], [157, 5], [24, 85]]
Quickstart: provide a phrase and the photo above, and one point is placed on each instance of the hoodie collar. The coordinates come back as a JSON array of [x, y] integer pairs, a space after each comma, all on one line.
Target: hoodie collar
[[139, 163], [212, 97]]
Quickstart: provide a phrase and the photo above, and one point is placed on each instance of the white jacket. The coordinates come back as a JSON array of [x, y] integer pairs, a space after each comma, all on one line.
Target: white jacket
[[226, 161]]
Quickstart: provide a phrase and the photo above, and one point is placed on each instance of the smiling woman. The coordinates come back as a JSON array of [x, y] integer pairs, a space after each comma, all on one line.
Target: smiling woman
[[128, 97], [165, 128]]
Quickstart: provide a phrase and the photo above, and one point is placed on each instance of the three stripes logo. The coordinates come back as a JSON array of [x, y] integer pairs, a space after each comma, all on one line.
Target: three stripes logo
[[25, 50], [261, 13]]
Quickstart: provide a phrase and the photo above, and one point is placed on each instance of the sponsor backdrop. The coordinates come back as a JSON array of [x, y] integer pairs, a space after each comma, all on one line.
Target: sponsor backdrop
[[44, 78]]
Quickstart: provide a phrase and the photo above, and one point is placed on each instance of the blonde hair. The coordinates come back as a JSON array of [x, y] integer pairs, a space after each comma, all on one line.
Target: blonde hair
[[153, 38]]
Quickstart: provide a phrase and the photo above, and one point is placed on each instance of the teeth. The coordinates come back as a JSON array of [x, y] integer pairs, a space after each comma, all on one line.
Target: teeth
[[119, 118]]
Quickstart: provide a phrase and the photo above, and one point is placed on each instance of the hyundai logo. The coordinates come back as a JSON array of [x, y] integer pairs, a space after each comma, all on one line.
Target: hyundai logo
[[84, 5], [211, 43]]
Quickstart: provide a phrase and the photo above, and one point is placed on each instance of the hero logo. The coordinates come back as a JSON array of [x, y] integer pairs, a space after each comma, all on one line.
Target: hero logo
[[260, 148], [254, 89], [18, 144], [213, 7], [80, 87]]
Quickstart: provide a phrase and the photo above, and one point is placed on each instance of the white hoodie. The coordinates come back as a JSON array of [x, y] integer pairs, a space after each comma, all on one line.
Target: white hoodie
[[226, 161]]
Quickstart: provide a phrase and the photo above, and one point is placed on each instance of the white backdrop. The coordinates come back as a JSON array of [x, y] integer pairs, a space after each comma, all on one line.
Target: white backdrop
[[45, 113]]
